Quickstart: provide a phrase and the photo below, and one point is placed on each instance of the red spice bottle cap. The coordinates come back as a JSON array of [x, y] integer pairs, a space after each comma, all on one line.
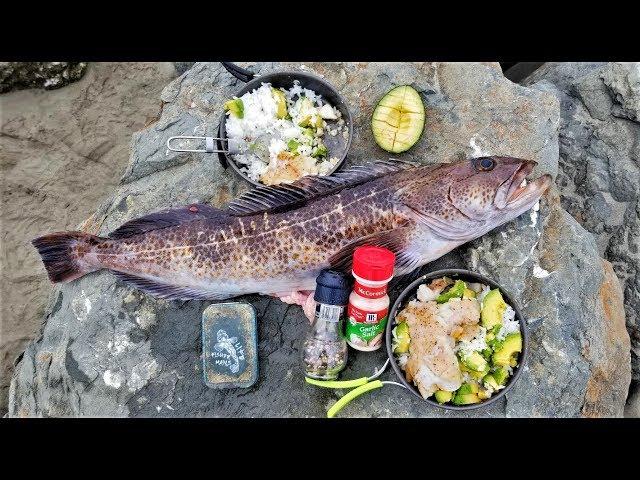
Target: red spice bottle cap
[[373, 263]]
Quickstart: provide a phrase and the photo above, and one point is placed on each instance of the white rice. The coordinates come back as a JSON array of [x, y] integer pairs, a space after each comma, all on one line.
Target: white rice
[[509, 323], [485, 289], [478, 344], [259, 139]]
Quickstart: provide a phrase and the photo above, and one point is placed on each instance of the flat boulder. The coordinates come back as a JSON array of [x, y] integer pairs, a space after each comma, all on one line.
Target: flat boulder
[[109, 350]]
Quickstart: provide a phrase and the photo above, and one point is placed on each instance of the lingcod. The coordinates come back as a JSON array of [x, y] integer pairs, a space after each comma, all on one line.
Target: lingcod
[[275, 240]]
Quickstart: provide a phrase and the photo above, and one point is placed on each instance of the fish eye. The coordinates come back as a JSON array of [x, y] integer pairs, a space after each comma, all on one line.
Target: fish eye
[[485, 164]]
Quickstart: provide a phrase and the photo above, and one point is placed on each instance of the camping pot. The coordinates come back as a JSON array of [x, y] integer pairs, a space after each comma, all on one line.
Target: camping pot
[[409, 293], [337, 146]]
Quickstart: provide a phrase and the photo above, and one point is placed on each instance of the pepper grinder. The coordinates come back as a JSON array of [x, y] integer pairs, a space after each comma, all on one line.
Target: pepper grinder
[[324, 353]]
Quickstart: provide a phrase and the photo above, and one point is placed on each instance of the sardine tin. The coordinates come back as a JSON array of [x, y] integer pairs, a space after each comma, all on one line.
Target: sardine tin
[[229, 345]]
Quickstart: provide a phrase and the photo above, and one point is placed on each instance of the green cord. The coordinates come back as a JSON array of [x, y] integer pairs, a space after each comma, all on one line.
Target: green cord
[[340, 404], [337, 383]]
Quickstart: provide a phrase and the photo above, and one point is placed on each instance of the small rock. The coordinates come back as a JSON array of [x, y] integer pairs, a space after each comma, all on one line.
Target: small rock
[[47, 75]]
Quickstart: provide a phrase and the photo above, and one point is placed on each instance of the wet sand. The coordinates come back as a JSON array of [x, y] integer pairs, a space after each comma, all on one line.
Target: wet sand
[[61, 153]]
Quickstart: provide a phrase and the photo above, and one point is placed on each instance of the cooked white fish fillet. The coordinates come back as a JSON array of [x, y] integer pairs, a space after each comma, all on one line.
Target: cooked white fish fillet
[[432, 364]]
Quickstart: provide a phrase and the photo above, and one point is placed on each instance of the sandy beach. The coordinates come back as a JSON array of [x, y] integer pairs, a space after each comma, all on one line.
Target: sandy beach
[[63, 152]]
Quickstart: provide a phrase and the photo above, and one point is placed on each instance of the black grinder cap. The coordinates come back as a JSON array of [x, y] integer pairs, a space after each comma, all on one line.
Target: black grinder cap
[[332, 288]]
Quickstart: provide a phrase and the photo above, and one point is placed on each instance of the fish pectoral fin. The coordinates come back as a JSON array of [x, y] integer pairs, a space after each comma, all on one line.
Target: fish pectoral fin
[[166, 218], [167, 291], [292, 195], [394, 240]]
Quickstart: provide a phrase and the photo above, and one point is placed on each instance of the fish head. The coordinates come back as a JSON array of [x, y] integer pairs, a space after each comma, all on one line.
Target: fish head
[[468, 198]]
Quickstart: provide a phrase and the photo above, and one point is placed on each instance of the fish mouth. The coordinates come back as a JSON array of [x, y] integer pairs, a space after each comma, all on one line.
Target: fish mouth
[[517, 191]]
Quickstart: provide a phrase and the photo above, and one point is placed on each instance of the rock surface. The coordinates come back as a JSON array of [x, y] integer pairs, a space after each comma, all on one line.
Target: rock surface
[[109, 350], [63, 152], [47, 75], [599, 175]]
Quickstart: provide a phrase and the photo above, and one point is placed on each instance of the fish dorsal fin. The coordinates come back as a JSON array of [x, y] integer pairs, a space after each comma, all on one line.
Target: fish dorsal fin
[[293, 195], [166, 218]]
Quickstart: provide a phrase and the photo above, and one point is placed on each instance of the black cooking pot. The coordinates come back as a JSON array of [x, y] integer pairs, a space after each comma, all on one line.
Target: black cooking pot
[[337, 146], [409, 293]]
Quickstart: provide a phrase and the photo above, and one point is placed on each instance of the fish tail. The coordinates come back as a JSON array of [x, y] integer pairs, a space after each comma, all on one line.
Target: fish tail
[[68, 255]]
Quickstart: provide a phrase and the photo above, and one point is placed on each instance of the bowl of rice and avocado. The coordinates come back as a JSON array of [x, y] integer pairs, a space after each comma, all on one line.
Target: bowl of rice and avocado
[[285, 125], [456, 339]]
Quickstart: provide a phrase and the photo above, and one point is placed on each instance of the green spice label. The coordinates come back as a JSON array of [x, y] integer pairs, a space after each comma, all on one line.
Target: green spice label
[[365, 329]]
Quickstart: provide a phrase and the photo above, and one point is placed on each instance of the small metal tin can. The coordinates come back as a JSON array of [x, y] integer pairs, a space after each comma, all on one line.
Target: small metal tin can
[[229, 345]]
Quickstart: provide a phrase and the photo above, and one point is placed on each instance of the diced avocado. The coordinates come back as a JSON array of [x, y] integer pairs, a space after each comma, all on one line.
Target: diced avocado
[[442, 396], [464, 388], [311, 121], [479, 375], [511, 345], [501, 375], [293, 145], [319, 151], [401, 338], [490, 381], [465, 398], [493, 306], [281, 103], [468, 293], [235, 107], [455, 291], [484, 394], [468, 387], [309, 133], [474, 361], [308, 114], [486, 354]]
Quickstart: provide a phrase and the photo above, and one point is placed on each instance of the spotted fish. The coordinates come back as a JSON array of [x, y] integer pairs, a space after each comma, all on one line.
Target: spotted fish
[[275, 240]]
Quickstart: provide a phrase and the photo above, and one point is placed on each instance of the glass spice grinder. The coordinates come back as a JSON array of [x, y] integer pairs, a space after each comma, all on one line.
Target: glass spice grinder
[[324, 353]]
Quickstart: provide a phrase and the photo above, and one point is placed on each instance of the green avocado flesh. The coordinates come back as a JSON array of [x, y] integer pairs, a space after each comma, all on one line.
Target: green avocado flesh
[[281, 103], [398, 119], [235, 107], [493, 307], [512, 344], [476, 362], [401, 338], [454, 292], [442, 396]]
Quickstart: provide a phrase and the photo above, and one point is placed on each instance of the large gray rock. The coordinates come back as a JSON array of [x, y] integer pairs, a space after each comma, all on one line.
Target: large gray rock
[[109, 350], [599, 176], [47, 75]]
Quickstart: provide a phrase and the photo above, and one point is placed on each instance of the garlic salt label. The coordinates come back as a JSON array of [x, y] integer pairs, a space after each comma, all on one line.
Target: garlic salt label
[[365, 328]]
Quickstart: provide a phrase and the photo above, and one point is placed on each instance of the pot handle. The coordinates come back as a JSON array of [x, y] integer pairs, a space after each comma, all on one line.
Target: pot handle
[[240, 73], [340, 404]]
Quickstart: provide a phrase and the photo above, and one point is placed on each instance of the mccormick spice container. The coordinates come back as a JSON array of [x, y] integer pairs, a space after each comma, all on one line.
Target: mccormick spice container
[[324, 353], [369, 302]]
